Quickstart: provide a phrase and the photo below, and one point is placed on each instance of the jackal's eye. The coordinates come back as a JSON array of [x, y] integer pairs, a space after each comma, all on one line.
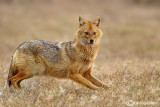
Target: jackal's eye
[[86, 33], [94, 33]]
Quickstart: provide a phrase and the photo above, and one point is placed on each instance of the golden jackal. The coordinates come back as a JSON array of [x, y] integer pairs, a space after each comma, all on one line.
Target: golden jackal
[[74, 59]]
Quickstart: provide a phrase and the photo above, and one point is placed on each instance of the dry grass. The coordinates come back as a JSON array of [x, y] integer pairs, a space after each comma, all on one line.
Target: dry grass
[[128, 59]]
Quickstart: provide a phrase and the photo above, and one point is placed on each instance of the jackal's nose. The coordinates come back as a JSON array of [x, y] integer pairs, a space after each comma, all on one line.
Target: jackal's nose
[[91, 41]]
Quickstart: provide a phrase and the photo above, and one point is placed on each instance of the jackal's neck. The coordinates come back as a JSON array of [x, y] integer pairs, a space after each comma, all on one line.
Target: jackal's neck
[[86, 51]]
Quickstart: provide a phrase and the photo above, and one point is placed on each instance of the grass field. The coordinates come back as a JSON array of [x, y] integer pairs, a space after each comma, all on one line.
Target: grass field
[[128, 58]]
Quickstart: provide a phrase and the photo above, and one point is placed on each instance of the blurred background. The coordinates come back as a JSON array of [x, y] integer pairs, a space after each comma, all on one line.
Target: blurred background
[[131, 28], [128, 59]]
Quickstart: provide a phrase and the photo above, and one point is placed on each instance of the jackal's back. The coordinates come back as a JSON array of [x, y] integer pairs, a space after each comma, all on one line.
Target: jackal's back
[[39, 56], [45, 48]]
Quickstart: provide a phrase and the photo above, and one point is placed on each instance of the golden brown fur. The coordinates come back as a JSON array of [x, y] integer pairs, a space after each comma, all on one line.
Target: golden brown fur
[[74, 59]]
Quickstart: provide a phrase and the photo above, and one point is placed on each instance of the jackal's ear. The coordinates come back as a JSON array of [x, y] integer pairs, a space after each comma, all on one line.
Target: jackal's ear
[[82, 21], [97, 21]]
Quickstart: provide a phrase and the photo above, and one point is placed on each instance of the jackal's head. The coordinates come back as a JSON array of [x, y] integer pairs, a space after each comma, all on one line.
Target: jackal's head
[[89, 32]]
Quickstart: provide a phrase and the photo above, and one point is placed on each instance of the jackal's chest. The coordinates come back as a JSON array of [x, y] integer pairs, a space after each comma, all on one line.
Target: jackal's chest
[[81, 68]]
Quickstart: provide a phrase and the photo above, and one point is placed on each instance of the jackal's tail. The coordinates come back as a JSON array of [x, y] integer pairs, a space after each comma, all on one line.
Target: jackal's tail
[[10, 76], [11, 73]]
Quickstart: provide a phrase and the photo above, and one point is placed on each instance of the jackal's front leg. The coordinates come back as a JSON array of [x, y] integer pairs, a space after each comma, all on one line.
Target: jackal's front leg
[[83, 81], [93, 79]]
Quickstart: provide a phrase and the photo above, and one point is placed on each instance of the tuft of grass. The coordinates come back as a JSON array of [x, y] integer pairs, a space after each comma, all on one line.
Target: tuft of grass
[[127, 79]]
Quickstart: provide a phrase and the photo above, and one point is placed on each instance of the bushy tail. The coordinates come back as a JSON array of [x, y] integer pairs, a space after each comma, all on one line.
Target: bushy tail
[[10, 75]]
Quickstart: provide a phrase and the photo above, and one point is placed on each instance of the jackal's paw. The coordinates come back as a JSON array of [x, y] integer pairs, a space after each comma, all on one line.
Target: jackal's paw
[[106, 86], [95, 88]]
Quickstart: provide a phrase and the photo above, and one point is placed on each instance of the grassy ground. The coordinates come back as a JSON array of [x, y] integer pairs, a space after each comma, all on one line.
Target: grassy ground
[[128, 58]]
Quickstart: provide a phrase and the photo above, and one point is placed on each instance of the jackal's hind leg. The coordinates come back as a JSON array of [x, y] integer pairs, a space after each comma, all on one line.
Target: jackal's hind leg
[[15, 80]]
